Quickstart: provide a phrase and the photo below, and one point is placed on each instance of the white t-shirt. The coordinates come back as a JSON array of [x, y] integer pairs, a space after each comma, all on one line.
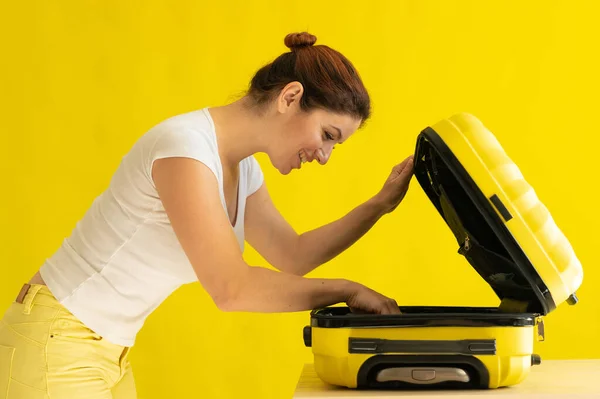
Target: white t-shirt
[[123, 258]]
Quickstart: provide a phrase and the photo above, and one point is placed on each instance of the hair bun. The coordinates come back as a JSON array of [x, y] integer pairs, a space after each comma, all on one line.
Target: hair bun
[[299, 40]]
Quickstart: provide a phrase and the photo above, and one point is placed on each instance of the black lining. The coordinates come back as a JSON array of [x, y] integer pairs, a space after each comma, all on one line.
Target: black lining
[[477, 213], [422, 316]]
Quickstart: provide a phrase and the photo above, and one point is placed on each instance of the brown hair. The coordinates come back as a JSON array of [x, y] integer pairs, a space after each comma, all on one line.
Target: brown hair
[[330, 80]]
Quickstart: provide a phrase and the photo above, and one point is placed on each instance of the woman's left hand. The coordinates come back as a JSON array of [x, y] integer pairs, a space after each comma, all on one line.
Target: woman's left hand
[[396, 185]]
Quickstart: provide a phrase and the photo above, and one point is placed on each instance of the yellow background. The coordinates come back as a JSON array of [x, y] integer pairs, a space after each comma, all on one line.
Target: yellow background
[[81, 80]]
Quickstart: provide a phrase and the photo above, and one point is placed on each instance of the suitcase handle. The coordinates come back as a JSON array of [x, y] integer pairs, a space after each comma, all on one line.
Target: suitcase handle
[[462, 347], [423, 371]]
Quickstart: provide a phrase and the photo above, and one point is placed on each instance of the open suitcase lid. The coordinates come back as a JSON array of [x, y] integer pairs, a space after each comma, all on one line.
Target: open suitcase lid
[[501, 227]]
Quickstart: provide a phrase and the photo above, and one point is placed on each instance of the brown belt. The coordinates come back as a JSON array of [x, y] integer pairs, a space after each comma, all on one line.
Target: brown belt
[[22, 293]]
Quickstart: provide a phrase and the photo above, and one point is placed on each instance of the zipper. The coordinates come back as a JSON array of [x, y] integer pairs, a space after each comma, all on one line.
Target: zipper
[[465, 247], [467, 243]]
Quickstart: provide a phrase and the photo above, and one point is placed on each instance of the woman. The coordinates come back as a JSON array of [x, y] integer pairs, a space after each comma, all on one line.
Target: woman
[[178, 210]]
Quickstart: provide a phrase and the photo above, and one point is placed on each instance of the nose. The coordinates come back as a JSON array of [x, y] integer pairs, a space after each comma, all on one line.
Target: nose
[[322, 156]]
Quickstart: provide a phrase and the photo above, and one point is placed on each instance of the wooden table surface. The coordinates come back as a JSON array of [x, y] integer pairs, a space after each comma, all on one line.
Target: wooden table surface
[[564, 379]]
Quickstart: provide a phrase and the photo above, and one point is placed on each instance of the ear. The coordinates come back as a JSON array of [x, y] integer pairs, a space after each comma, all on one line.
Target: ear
[[289, 97]]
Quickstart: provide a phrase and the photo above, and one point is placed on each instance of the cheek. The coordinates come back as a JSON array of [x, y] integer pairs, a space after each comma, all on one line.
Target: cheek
[[311, 140], [303, 135]]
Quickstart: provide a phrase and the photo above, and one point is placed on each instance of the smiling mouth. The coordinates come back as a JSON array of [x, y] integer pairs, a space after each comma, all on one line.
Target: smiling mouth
[[302, 157]]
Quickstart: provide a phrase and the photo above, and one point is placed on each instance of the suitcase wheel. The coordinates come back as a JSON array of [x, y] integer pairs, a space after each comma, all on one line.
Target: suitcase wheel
[[307, 332]]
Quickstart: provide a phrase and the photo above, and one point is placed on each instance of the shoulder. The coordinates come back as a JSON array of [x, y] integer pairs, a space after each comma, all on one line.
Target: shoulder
[[184, 129], [188, 135]]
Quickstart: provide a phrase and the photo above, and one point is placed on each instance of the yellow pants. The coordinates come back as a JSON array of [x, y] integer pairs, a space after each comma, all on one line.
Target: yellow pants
[[47, 353]]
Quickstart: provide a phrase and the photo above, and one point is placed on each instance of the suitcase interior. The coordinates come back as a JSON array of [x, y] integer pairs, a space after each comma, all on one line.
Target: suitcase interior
[[482, 238], [478, 223], [495, 343]]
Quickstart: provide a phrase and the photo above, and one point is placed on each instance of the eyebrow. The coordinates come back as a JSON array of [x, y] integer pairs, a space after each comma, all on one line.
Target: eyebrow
[[339, 133]]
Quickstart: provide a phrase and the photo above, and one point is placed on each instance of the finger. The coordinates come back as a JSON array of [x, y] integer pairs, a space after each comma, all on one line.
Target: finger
[[385, 307], [408, 166], [404, 165], [394, 308], [383, 310], [407, 172]]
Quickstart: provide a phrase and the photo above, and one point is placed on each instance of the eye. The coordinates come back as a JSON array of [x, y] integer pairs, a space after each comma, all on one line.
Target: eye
[[328, 136]]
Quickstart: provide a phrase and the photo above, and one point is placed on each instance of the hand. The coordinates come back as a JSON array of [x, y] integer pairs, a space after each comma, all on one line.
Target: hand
[[365, 300], [396, 185]]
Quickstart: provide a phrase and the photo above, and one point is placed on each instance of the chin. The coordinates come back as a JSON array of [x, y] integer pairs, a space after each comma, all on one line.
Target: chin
[[283, 168], [285, 171]]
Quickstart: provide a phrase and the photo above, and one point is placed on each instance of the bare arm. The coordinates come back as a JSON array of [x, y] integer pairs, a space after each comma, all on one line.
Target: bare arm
[[189, 193], [272, 236], [326, 242]]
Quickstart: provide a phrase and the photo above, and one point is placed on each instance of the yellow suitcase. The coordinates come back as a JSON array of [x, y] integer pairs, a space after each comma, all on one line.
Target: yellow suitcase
[[503, 231]]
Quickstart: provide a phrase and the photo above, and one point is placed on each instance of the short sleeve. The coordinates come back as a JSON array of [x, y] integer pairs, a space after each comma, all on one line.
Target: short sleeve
[[187, 143], [255, 176]]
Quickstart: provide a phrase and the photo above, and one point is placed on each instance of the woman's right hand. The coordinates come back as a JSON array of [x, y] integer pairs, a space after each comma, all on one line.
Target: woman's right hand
[[364, 300]]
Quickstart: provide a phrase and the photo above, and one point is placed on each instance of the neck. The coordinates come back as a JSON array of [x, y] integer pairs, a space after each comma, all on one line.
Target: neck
[[240, 131]]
